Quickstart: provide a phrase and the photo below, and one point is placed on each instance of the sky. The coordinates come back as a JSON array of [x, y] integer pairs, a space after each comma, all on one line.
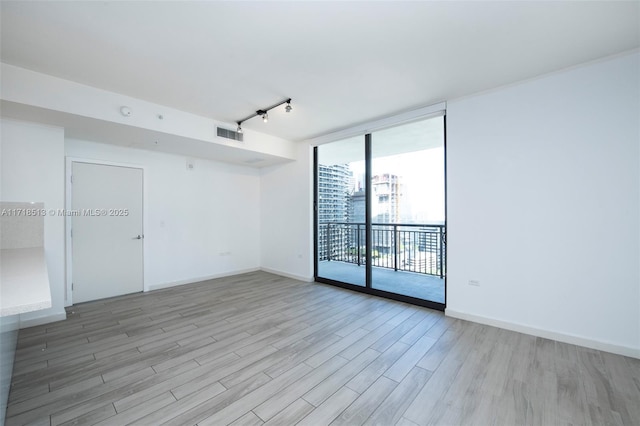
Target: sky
[[422, 179]]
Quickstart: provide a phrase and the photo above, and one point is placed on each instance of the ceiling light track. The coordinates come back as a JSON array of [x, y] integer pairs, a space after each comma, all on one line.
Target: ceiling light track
[[264, 113]]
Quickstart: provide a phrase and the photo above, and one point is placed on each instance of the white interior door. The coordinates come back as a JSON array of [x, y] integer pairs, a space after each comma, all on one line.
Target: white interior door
[[107, 231]]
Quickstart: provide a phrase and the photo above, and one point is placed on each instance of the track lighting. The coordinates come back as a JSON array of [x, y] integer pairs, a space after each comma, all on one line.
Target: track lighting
[[264, 113]]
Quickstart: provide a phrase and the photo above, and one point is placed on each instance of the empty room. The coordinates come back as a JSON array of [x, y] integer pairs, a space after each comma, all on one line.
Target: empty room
[[323, 212]]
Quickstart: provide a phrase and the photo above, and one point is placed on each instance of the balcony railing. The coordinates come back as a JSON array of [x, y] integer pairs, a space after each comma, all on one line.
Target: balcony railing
[[416, 248]]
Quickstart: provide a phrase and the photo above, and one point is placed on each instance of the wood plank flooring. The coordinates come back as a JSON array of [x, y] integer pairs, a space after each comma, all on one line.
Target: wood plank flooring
[[260, 349]]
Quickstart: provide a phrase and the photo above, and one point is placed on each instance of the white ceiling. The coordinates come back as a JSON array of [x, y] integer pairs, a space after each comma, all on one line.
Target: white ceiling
[[343, 63]]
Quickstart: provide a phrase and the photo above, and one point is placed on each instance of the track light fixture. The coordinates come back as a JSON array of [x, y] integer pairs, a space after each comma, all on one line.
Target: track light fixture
[[264, 113]]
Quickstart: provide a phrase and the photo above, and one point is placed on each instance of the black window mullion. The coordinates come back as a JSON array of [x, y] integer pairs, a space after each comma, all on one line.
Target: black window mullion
[[367, 200], [315, 212]]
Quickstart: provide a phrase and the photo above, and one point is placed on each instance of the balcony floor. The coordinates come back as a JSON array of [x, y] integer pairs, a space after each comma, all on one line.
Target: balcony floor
[[421, 286]]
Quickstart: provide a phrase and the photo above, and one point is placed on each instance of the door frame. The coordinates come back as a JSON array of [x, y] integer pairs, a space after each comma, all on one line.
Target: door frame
[[368, 288], [68, 291]]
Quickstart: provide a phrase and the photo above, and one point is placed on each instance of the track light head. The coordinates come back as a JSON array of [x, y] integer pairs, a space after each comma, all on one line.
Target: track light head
[[264, 113]]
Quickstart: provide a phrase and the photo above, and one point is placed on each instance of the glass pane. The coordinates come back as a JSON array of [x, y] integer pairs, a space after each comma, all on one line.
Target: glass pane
[[341, 211], [407, 205]]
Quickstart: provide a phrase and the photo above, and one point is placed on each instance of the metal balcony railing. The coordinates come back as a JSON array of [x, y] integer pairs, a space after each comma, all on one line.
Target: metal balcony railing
[[416, 248]]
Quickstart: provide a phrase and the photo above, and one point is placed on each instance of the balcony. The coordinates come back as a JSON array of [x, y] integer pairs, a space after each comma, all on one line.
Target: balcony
[[406, 259]]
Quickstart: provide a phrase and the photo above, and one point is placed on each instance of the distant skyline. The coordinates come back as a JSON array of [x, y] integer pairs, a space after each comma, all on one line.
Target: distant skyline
[[422, 178]]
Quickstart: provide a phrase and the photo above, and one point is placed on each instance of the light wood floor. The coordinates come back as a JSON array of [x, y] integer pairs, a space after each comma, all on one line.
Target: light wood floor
[[261, 349]]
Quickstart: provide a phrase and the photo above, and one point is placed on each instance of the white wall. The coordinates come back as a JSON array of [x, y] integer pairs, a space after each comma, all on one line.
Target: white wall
[[198, 224], [543, 206], [286, 216], [33, 170]]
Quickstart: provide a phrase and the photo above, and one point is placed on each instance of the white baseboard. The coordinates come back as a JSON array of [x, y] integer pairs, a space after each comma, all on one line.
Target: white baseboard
[[288, 275], [199, 279], [45, 319], [553, 335]]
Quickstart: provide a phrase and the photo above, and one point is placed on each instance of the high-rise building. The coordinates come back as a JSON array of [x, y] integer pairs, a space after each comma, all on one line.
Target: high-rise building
[[386, 198], [385, 208], [357, 207], [335, 184]]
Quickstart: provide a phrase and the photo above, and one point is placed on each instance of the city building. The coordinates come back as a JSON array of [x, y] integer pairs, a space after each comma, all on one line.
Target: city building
[[386, 194], [334, 200]]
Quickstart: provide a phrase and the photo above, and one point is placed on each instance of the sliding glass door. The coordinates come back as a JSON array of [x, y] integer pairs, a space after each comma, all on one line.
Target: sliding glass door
[[340, 211], [380, 212], [407, 210]]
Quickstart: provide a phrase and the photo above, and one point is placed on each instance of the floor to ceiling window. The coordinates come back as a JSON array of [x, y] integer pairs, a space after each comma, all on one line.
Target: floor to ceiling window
[[380, 212], [341, 237]]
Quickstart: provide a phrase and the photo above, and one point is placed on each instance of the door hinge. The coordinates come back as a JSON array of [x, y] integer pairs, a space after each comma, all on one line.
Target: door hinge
[[71, 178], [71, 286], [71, 232]]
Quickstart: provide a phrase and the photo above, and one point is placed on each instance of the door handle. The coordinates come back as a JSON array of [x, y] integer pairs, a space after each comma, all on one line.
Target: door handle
[[139, 237]]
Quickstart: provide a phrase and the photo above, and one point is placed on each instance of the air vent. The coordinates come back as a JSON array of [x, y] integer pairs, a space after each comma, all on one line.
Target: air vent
[[230, 134]]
